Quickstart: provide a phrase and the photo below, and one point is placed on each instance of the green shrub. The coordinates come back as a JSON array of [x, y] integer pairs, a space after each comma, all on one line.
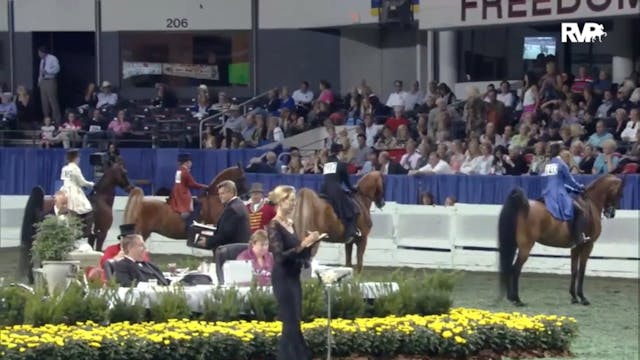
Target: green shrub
[[13, 300], [262, 304], [313, 300], [222, 305], [346, 301], [129, 309], [167, 305]]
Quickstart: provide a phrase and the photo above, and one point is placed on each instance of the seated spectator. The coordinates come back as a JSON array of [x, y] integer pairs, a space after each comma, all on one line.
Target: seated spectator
[[358, 154], [95, 129], [576, 149], [90, 98], [398, 119], [371, 130], [326, 95], [286, 100], [540, 158], [260, 257], [588, 158], [621, 120], [298, 127], [606, 161], [632, 157], [402, 136], [600, 136], [630, 131], [224, 102], [165, 97], [507, 135], [28, 117], [202, 107], [273, 101], [506, 96], [295, 166], [119, 127], [490, 136], [522, 138], [602, 84], [235, 121], [515, 163], [427, 198], [450, 201], [70, 129], [499, 154], [479, 164], [410, 158], [114, 252], [582, 80], [436, 166], [303, 96], [371, 164], [386, 140], [48, 134], [132, 268], [274, 132], [457, 157], [494, 110], [8, 108], [388, 166], [606, 105], [105, 97]]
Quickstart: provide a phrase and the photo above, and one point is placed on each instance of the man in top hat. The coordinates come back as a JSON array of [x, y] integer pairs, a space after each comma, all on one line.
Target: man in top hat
[[260, 211], [180, 198], [114, 252], [335, 175]]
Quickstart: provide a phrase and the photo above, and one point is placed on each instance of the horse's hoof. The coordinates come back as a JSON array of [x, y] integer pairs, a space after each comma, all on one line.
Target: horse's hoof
[[517, 303], [575, 301], [585, 302]]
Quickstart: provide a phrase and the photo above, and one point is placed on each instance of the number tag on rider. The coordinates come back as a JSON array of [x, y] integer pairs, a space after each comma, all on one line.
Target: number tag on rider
[[66, 175], [550, 169], [178, 176], [330, 168]]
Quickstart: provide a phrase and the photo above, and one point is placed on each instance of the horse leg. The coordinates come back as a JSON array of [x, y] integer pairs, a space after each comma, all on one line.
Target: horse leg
[[523, 255], [88, 228], [362, 245], [585, 252], [348, 251], [574, 274]]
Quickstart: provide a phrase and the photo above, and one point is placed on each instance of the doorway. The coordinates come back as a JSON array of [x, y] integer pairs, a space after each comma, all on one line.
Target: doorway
[[76, 53]]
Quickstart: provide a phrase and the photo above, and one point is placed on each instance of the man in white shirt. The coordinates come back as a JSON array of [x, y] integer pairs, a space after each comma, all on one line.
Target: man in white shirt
[[413, 97], [371, 130], [105, 96], [397, 98], [235, 122], [410, 159], [49, 69], [436, 166], [303, 96]]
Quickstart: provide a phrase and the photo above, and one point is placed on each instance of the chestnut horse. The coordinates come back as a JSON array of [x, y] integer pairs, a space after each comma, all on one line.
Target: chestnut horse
[[313, 213], [155, 216], [524, 222], [97, 223]]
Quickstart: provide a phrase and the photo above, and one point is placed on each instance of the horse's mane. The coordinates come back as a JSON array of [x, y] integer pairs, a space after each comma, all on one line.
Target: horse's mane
[[596, 183]]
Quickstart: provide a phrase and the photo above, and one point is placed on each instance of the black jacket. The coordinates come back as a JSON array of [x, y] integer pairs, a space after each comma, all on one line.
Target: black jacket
[[396, 169], [335, 174], [233, 225], [126, 272]]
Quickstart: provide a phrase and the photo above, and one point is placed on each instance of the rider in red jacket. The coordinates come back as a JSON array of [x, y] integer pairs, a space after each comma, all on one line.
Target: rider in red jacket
[[180, 199]]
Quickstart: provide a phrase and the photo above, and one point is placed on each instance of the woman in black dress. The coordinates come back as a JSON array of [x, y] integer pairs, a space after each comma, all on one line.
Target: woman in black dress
[[289, 256]]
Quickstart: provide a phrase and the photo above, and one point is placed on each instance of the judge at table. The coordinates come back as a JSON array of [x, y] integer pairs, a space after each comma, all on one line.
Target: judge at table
[[233, 225], [132, 268]]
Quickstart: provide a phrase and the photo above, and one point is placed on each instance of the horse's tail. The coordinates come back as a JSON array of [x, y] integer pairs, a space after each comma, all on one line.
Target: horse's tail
[[134, 205], [304, 212], [32, 215], [516, 204]]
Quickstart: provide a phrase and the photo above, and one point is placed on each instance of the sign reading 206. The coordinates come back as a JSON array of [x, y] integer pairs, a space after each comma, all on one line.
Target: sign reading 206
[[177, 23]]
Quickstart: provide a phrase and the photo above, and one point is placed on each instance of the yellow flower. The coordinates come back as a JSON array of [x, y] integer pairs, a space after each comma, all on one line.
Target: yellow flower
[[447, 334], [460, 340]]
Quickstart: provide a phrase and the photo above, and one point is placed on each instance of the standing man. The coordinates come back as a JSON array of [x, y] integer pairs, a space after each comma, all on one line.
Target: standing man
[[180, 199], [233, 225], [49, 69], [260, 211]]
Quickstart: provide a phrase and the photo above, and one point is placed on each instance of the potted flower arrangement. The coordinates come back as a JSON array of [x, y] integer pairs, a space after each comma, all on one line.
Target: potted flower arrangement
[[55, 238]]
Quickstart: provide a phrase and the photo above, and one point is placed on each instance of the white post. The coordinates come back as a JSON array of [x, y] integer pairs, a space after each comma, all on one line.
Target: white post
[[431, 57], [621, 66], [447, 59]]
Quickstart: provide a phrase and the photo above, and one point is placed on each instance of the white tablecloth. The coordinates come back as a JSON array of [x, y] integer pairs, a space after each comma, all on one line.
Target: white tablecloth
[[196, 294]]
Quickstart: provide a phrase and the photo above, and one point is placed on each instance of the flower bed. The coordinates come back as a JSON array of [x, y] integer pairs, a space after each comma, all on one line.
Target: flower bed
[[460, 333]]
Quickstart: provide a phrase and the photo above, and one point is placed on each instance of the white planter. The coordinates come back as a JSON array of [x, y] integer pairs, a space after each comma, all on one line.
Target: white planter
[[58, 274]]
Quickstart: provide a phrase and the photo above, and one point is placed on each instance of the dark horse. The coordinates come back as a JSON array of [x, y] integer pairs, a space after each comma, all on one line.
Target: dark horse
[[524, 222], [313, 213], [155, 216], [96, 224]]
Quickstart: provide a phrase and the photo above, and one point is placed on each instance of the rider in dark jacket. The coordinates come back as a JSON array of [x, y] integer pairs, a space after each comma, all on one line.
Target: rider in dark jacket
[[560, 183], [335, 175]]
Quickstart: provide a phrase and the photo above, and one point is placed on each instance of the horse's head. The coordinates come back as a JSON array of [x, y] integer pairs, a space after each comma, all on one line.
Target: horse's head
[[606, 192], [235, 174], [371, 186], [116, 174]]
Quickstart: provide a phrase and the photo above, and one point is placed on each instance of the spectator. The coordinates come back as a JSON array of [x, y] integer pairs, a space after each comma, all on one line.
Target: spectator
[[70, 130], [490, 135], [621, 123], [602, 84], [576, 149], [95, 129], [274, 101], [303, 96], [474, 111], [361, 151], [27, 114], [515, 163], [326, 95], [413, 98], [90, 98], [481, 164], [49, 69], [371, 130], [397, 98], [165, 97], [596, 139], [371, 164], [436, 166], [457, 157], [224, 102], [295, 166], [235, 121], [48, 134], [606, 161], [426, 198], [119, 127], [495, 110], [105, 97], [8, 108], [386, 140], [398, 119], [450, 201], [286, 100], [506, 96], [586, 163], [522, 138], [606, 105], [582, 80], [540, 158], [388, 166], [630, 132], [499, 154], [410, 158]]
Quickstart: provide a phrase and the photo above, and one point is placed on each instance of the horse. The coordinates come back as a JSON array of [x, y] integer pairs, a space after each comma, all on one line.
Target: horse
[[523, 222], [155, 216], [314, 213], [96, 224]]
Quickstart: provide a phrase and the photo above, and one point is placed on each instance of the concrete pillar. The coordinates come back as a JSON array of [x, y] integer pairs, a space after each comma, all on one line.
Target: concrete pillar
[[621, 66], [422, 59], [431, 57], [447, 58]]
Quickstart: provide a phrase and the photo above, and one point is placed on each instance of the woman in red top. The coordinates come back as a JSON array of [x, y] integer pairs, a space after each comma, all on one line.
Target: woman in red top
[[260, 257], [180, 199]]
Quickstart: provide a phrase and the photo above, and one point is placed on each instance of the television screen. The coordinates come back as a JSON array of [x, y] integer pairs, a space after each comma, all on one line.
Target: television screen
[[538, 45]]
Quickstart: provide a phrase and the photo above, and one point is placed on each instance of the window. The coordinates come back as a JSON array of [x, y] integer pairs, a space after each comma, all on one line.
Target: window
[[5, 71], [185, 59]]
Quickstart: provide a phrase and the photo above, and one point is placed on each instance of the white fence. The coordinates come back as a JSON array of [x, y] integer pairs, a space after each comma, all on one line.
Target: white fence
[[460, 237]]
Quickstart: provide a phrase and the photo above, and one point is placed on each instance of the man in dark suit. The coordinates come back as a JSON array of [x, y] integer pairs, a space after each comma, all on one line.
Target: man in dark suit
[[388, 166], [233, 225], [132, 268]]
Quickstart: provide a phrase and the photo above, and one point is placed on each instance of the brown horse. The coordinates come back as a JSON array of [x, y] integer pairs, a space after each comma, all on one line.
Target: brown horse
[[157, 216], [96, 224], [524, 222], [313, 213]]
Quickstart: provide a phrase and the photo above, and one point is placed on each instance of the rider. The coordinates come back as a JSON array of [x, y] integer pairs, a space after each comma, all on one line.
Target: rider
[[72, 184], [335, 174], [556, 193], [180, 198]]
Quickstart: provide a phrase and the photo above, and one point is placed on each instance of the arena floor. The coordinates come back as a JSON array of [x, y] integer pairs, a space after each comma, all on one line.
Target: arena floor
[[608, 328]]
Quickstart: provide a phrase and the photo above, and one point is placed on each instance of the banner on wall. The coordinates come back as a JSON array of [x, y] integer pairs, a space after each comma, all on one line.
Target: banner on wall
[[376, 6], [202, 72], [443, 14]]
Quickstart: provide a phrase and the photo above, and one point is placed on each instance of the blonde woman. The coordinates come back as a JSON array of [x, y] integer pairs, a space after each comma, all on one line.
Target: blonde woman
[[72, 183], [606, 161], [289, 255]]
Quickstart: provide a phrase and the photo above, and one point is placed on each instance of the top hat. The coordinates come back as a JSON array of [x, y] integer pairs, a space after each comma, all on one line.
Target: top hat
[[127, 229], [184, 157], [256, 187]]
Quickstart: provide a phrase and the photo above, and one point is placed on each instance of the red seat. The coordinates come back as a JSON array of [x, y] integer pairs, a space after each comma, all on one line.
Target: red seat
[[630, 168]]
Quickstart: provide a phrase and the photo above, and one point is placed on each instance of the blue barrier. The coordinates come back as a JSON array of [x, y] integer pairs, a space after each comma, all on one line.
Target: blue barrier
[[22, 169]]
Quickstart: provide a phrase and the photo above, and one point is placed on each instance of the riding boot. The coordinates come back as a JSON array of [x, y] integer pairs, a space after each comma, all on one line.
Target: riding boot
[[349, 231], [579, 224]]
